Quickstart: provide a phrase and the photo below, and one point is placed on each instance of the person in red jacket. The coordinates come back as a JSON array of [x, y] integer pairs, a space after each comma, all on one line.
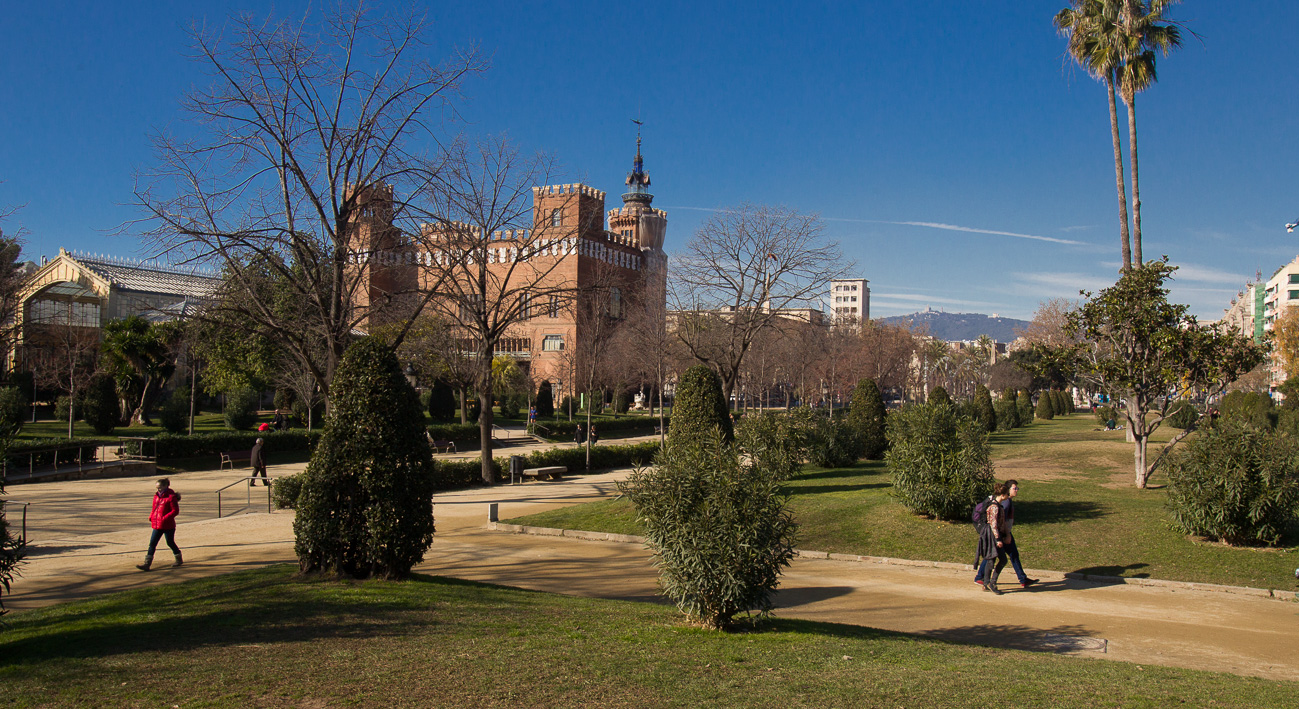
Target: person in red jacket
[[166, 505]]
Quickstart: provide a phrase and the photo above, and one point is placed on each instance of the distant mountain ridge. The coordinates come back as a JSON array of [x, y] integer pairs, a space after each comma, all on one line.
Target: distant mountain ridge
[[960, 326]]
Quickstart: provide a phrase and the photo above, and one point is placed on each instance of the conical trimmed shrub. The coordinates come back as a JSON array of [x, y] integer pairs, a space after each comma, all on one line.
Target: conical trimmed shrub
[[1044, 410], [1025, 408], [366, 506], [939, 395], [983, 410], [866, 415], [700, 407], [545, 400]]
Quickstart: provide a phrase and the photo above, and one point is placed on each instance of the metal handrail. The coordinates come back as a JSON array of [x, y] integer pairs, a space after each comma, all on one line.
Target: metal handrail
[[25, 506], [269, 483], [506, 431]]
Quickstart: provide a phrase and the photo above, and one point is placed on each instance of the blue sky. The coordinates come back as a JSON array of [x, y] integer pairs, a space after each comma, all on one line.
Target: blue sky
[[951, 149]]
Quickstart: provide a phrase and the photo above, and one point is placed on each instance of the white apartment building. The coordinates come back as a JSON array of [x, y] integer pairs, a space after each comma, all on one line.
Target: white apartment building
[[1281, 292], [1245, 316], [850, 300]]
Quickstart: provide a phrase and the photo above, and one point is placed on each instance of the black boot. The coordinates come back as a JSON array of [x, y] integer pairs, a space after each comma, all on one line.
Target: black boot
[[179, 560], [990, 584], [148, 561]]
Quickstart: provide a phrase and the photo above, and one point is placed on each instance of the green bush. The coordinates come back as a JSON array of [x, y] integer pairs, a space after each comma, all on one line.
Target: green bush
[[939, 395], [835, 443], [241, 409], [284, 399], [1287, 421], [509, 406], [622, 402], [1249, 407], [1236, 483], [939, 461], [315, 417], [1184, 415], [778, 441], [13, 411], [442, 402], [1025, 404], [99, 404], [174, 413], [700, 407], [1007, 413], [719, 525], [61, 406], [545, 400], [1105, 414], [985, 414], [366, 506], [567, 407], [41, 451], [285, 491], [1289, 389], [632, 425], [867, 414], [1044, 410], [473, 409], [171, 446]]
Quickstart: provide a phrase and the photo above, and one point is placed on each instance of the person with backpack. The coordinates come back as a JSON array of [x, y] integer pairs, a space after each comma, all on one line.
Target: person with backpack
[[166, 505], [1007, 550]]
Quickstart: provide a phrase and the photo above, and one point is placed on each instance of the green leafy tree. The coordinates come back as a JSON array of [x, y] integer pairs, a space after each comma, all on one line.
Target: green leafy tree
[[100, 406], [366, 504], [866, 414], [940, 461], [142, 355], [241, 409], [717, 519], [11, 547], [174, 412], [1131, 341], [13, 412], [986, 415], [699, 408]]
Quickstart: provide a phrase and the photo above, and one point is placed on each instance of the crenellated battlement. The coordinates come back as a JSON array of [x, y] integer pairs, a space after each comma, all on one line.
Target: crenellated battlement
[[625, 211], [568, 189]]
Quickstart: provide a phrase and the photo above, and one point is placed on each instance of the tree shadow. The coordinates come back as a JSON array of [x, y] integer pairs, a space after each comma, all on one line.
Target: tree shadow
[[1114, 570], [1049, 511], [793, 597], [863, 469], [817, 489], [1060, 639]]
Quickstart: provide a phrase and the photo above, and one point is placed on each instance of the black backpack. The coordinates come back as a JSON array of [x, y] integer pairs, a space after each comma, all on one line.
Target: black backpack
[[980, 515]]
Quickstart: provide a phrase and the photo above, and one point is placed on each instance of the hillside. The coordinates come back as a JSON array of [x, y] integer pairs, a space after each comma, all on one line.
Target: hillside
[[960, 326]]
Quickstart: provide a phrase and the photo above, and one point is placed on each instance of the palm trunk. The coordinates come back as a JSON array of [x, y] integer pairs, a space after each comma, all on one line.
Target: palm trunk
[[1118, 173], [1136, 191]]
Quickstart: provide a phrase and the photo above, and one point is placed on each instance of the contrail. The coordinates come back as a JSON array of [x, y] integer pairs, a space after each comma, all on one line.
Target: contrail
[[931, 225]]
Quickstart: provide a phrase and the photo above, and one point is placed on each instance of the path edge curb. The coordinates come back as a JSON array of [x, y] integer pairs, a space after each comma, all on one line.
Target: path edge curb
[[805, 554]]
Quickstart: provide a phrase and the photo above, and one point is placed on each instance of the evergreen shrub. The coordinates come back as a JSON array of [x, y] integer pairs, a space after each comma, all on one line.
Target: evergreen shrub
[[622, 402], [285, 490], [1184, 415], [1236, 483], [61, 406], [1105, 413], [366, 505], [1044, 410], [241, 409], [1249, 407], [939, 395], [939, 461], [174, 413], [509, 406], [778, 441], [545, 400], [13, 411], [1025, 404], [99, 404], [1007, 413], [700, 407], [719, 525], [284, 399], [441, 402], [985, 414], [567, 407], [867, 417]]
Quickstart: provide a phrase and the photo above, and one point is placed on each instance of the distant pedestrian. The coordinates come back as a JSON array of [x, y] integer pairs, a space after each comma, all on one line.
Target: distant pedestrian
[[993, 537], [258, 461], [280, 422], [578, 436], [595, 437], [1009, 549], [166, 505]]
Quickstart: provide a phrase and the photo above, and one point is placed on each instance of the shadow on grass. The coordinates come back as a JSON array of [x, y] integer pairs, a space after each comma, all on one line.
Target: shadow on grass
[[1050, 511], [1063, 638], [818, 489], [266, 605], [793, 597], [862, 469]]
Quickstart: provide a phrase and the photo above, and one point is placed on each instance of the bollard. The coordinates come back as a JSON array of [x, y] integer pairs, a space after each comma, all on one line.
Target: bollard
[[492, 512]]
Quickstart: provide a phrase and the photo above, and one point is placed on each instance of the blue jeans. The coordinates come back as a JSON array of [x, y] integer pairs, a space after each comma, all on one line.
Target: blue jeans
[[170, 534], [1009, 551]]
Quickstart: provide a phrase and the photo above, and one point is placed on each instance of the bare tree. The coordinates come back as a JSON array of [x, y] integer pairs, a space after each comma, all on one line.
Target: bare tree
[[738, 272], [646, 344], [589, 357], [62, 352], [494, 256], [887, 353], [306, 134]]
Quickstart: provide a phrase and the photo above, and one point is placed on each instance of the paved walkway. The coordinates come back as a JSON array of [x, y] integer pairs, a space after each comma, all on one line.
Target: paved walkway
[[88, 534]]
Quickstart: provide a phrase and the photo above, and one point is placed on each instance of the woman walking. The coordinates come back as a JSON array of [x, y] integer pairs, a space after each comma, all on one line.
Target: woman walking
[[166, 505]]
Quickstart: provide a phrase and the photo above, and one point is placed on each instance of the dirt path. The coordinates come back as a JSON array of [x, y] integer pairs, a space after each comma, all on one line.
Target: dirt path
[[75, 555]]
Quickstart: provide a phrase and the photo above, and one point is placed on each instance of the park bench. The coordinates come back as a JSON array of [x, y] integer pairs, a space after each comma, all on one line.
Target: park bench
[[232, 457], [554, 472], [443, 446]]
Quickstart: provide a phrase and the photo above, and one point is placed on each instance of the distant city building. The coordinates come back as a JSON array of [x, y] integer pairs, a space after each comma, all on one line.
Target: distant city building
[[850, 300], [1280, 293], [1245, 315]]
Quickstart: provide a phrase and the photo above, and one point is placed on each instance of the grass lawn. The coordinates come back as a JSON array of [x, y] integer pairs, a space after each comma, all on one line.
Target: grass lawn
[[1077, 511], [270, 638]]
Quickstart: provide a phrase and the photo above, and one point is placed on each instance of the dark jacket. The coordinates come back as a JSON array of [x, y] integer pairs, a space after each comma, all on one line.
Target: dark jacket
[[257, 459], [166, 505]]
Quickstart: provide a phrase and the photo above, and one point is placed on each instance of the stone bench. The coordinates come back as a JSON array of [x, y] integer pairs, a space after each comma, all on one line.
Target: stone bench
[[554, 472]]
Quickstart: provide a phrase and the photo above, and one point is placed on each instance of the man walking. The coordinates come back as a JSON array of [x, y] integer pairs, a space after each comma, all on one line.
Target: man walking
[[258, 460]]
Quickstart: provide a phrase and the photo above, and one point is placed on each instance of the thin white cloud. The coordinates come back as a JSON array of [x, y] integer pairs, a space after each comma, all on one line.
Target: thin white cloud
[[1208, 274], [928, 225], [1081, 227], [1058, 285]]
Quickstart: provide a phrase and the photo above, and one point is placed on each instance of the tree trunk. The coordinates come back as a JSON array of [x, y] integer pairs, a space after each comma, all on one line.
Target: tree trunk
[[1118, 174], [1136, 191], [485, 432]]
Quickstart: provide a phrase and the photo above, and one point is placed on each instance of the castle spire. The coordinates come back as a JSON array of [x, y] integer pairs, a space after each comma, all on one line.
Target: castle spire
[[637, 180]]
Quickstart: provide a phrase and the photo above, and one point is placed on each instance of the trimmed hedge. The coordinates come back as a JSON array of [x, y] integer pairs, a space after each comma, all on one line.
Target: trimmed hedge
[[170, 445], [44, 453], [563, 430]]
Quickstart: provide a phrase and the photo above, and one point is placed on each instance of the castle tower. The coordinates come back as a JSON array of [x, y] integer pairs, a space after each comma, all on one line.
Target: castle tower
[[378, 254], [641, 226]]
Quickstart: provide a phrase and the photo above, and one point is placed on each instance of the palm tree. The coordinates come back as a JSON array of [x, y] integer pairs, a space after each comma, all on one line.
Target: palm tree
[[1144, 30], [1090, 26]]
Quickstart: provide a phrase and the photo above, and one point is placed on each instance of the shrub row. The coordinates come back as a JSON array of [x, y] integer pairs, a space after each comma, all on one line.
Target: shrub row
[[171, 445], [563, 430], [43, 453]]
